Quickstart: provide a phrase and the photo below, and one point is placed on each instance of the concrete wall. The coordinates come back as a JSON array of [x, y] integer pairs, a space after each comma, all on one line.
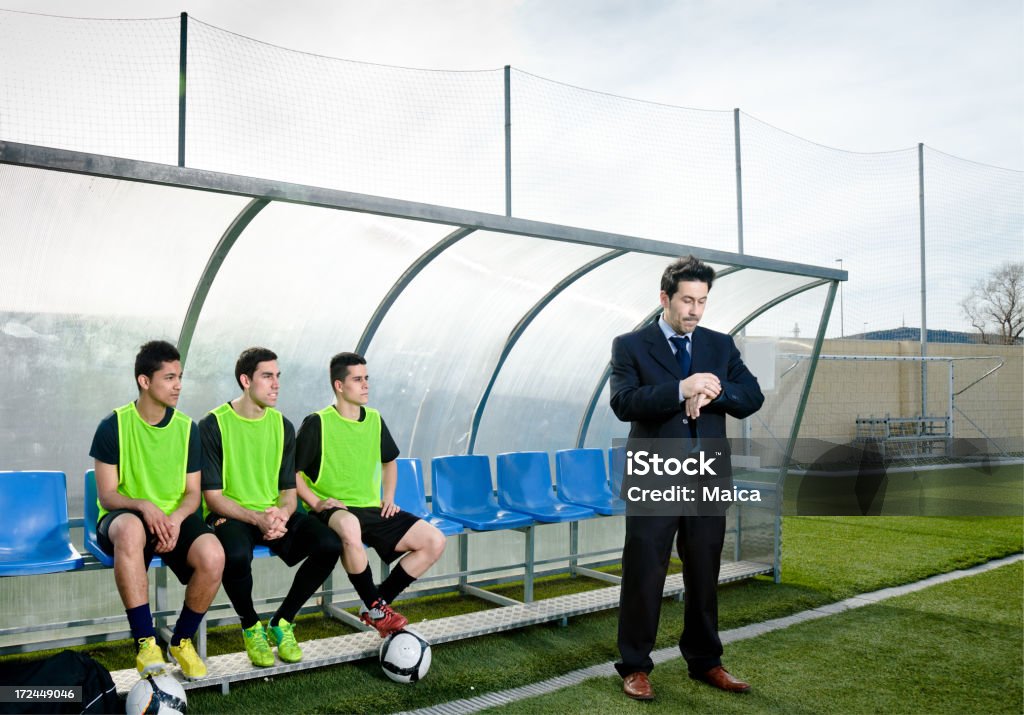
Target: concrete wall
[[846, 389]]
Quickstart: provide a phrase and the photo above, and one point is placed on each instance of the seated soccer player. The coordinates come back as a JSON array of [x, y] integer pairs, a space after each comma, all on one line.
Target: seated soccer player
[[249, 488], [147, 484], [345, 454]]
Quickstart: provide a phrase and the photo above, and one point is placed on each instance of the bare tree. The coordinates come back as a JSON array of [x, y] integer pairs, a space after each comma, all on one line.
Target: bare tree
[[995, 305]]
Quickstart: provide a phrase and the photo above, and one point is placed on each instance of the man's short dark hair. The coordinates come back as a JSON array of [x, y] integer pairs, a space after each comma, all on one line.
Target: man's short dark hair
[[687, 268], [340, 364], [248, 361], [151, 356]]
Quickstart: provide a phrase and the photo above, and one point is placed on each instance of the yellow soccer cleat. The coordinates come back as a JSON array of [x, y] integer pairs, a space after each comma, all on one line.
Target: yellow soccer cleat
[[184, 654], [149, 659]]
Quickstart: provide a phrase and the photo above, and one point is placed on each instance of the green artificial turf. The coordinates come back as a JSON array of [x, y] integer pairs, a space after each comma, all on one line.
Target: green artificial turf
[[951, 648], [989, 490], [824, 560]]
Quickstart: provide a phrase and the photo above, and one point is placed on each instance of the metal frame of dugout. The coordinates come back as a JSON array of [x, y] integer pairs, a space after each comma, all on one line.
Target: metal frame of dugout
[[585, 564], [262, 192]]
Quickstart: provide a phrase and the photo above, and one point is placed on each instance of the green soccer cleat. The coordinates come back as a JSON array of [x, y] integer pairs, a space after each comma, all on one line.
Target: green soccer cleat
[[257, 647], [149, 660], [283, 636], [184, 654]]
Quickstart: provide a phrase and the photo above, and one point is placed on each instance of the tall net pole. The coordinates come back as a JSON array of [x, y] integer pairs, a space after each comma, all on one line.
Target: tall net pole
[[182, 63], [924, 283], [508, 140]]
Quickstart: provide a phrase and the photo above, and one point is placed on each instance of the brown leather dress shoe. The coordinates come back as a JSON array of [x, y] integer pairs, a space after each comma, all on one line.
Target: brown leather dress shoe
[[720, 678], [637, 686]]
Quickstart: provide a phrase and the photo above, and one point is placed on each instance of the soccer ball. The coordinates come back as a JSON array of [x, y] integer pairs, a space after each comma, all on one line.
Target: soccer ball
[[156, 695], [405, 656]]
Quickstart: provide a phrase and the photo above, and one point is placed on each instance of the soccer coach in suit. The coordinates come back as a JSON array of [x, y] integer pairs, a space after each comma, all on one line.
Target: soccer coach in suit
[[674, 381]]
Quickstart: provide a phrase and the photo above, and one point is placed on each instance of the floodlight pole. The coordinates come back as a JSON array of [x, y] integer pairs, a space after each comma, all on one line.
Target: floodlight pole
[[182, 62]]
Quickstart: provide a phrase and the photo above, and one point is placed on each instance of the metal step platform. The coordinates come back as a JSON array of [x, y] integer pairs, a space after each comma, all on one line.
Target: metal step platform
[[234, 667]]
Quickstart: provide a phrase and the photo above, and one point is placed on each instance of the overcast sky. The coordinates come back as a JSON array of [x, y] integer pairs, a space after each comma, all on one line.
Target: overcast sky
[[862, 76]]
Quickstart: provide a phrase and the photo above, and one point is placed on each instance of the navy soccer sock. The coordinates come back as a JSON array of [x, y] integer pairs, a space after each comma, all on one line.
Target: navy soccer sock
[[140, 621], [187, 625]]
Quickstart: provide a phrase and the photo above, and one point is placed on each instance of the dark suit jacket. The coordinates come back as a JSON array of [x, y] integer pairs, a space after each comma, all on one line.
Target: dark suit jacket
[[645, 385]]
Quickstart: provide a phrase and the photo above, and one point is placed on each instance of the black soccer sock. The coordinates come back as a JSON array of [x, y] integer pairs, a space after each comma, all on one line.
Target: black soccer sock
[[364, 586], [396, 582], [238, 539], [322, 546], [308, 579], [239, 591], [140, 621], [187, 625]]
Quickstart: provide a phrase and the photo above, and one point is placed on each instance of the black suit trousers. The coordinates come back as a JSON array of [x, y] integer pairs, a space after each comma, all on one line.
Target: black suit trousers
[[645, 559]]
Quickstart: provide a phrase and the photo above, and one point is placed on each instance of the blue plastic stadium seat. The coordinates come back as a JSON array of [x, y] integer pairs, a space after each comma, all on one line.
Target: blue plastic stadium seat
[[91, 513], [581, 479], [462, 492], [34, 535], [409, 496], [524, 484], [616, 468]]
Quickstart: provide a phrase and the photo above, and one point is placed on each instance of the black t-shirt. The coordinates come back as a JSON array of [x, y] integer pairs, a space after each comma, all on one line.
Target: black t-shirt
[[106, 443], [213, 455], [309, 444]]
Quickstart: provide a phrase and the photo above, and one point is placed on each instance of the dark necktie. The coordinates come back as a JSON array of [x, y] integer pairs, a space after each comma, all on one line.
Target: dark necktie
[[682, 354], [684, 358]]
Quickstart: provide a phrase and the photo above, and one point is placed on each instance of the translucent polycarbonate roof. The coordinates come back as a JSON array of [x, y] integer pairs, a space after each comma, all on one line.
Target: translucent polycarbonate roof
[[74, 243], [483, 333]]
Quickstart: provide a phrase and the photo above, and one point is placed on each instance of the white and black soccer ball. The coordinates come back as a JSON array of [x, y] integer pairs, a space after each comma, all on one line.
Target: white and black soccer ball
[[405, 656], [156, 695]]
